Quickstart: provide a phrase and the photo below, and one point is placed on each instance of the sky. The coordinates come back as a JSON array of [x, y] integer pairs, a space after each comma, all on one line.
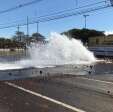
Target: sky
[[100, 20]]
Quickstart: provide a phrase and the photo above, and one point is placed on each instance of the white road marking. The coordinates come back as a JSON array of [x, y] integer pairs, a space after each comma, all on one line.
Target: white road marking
[[46, 98], [95, 80]]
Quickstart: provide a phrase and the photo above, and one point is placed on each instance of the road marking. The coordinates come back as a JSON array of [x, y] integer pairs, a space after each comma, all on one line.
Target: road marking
[[95, 80], [46, 98]]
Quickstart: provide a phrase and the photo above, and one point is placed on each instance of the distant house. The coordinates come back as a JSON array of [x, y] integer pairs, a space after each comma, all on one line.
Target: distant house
[[101, 41]]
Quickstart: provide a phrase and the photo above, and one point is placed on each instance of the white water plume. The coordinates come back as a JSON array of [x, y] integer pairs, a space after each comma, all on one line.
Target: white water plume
[[60, 50]]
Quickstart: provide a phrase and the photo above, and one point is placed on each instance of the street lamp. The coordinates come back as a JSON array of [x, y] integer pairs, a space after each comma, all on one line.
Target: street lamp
[[85, 17]]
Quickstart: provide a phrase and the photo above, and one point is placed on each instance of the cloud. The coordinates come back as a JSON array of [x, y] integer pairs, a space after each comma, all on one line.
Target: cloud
[[108, 32]]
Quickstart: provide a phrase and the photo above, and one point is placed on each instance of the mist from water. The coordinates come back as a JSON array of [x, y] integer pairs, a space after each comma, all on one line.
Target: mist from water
[[59, 50]]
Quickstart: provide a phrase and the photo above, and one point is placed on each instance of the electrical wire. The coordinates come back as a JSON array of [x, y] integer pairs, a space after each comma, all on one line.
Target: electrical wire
[[84, 6], [72, 9], [19, 6], [72, 14], [60, 15]]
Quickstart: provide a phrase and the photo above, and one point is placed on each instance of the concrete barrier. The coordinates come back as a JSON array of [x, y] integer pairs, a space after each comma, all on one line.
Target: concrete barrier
[[20, 73]]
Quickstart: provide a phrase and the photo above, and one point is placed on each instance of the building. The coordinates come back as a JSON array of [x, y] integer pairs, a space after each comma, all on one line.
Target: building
[[101, 41]]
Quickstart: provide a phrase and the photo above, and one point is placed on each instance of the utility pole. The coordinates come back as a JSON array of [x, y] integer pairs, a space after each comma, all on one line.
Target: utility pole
[[37, 27], [85, 21], [37, 24], [27, 26], [27, 42], [18, 30], [76, 2]]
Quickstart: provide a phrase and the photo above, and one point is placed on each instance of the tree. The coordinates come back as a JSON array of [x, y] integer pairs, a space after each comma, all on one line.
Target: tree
[[19, 36], [38, 37], [8, 43], [83, 34]]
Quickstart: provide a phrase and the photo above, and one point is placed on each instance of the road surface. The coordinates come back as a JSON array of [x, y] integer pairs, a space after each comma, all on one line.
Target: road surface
[[55, 95]]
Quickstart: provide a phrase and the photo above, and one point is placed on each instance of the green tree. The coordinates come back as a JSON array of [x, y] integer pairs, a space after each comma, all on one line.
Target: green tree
[[19, 36], [83, 34], [38, 37]]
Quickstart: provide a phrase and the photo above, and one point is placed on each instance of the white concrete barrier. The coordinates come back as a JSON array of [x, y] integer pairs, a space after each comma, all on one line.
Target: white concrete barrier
[[20, 73]]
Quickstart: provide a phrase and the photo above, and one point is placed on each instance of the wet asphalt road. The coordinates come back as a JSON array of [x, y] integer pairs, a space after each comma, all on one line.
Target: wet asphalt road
[[15, 100]]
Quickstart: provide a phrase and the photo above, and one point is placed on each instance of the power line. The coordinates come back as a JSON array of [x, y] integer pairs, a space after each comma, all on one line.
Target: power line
[[68, 10], [72, 14], [95, 3], [72, 9], [14, 21], [59, 16], [19, 6]]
